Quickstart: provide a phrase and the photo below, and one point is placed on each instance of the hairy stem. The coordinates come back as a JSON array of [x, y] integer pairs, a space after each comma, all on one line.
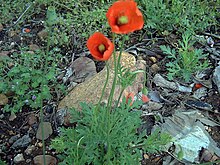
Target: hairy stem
[[110, 99], [41, 108], [119, 98], [104, 87]]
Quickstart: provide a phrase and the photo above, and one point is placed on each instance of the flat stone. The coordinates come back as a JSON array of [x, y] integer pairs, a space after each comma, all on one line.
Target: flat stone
[[22, 142], [153, 59], [154, 68], [83, 68], [216, 77], [42, 34], [188, 134], [90, 90], [50, 160], [12, 116], [32, 119], [199, 93], [13, 139], [29, 150], [47, 130], [34, 47]]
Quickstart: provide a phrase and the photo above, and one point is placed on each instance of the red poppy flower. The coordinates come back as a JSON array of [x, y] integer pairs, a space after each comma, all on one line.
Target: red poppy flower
[[124, 17], [130, 96], [100, 46]]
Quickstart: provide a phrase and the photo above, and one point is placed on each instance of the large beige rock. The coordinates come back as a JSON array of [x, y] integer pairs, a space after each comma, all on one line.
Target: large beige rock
[[90, 90]]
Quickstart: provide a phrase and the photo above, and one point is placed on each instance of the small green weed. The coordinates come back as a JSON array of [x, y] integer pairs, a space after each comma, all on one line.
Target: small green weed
[[87, 142], [186, 61], [23, 80]]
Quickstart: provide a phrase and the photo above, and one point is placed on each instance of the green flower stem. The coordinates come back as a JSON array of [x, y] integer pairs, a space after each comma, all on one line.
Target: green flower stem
[[42, 129], [120, 96], [48, 48], [109, 105], [116, 67], [103, 92], [103, 89], [41, 108], [110, 99]]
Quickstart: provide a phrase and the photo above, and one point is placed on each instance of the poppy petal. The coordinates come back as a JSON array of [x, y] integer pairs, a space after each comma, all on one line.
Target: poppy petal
[[130, 96], [145, 99]]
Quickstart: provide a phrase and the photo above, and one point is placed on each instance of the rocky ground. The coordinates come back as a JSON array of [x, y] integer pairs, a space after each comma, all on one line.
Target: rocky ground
[[188, 108]]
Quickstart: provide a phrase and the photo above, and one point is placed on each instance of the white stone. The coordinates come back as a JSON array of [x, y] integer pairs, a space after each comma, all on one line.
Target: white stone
[[18, 158]]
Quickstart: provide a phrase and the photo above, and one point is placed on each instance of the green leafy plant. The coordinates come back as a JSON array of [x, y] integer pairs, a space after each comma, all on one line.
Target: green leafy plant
[[186, 61], [87, 142], [23, 80], [178, 15], [33, 74]]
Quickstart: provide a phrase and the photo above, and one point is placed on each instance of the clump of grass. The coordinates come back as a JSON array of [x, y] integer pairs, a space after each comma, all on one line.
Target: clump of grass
[[178, 15]]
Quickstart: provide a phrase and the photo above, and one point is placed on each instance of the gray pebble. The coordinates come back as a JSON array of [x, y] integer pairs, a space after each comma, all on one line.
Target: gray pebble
[[22, 142], [18, 158]]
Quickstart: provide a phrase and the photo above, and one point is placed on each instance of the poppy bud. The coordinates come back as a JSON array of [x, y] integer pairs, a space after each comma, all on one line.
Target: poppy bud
[[145, 99], [130, 96], [198, 85], [51, 16]]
